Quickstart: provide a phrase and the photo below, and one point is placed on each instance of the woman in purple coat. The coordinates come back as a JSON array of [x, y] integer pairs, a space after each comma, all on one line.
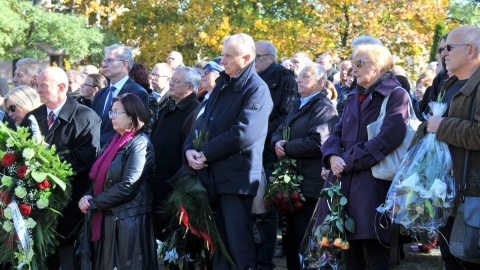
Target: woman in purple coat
[[350, 155]]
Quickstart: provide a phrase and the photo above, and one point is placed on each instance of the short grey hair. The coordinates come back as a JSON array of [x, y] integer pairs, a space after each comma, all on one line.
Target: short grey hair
[[32, 66], [366, 40], [191, 76], [123, 52], [319, 73], [269, 47], [243, 43]]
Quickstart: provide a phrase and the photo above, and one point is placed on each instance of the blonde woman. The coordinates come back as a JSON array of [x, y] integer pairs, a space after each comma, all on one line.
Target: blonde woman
[[21, 100]]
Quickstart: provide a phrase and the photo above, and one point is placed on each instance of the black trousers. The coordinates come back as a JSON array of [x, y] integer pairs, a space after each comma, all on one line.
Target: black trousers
[[377, 255], [233, 217]]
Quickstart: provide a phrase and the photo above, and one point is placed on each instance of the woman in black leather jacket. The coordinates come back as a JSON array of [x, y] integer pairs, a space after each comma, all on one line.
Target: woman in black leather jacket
[[120, 196]]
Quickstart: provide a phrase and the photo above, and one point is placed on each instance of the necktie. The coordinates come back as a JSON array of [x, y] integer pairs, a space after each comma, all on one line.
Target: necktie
[[109, 100], [51, 118]]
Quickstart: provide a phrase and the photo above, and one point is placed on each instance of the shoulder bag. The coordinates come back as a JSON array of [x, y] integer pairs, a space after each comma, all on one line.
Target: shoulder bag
[[465, 237], [388, 167]]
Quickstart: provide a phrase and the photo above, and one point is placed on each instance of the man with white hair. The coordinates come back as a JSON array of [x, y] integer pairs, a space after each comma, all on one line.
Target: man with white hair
[[298, 62], [117, 63], [160, 78], [26, 72], [74, 129], [175, 59], [236, 115]]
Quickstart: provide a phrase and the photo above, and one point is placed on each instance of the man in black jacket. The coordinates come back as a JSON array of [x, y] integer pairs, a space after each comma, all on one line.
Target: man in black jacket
[[283, 89]]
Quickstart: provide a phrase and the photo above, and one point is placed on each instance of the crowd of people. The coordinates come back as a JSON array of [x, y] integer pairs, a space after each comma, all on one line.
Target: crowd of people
[[127, 129]]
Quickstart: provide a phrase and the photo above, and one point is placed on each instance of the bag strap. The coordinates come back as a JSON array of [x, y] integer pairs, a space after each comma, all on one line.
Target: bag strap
[[381, 116], [466, 160]]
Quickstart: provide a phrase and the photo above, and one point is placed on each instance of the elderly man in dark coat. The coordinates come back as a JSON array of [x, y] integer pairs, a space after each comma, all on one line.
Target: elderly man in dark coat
[[75, 130], [237, 118]]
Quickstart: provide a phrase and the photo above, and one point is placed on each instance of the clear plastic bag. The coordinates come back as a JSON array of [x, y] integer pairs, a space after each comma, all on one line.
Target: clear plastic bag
[[422, 192]]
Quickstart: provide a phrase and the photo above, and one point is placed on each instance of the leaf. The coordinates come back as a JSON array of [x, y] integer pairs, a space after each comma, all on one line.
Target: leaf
[[343, 201], [39, 176], [330, 193], [339, 226], [350, 225]]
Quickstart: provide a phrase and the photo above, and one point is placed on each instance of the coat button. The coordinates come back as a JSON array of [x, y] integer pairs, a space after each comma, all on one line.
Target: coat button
[[211, 118], [347, 120]]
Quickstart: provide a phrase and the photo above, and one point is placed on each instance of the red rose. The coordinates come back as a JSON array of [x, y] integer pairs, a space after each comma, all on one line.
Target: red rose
[[45, 184], [5, 197], [8, 159], [21, 171], [298, 205], [25, 209], [296, 196]]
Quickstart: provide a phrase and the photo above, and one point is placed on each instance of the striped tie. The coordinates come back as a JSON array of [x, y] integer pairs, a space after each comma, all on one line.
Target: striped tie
[[51, 118]]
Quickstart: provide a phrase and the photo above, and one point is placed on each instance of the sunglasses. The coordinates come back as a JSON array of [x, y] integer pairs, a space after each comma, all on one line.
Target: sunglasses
[[360, 62], [11, 108], [449, 47]]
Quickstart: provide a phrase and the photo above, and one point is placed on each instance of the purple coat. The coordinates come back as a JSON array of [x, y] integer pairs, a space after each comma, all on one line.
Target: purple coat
[[363, 191]]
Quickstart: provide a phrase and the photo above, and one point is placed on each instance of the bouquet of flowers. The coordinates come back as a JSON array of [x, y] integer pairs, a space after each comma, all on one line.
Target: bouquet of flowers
[[323, 243], [284, 188], [195, 235], [422, 192], [34, 189]]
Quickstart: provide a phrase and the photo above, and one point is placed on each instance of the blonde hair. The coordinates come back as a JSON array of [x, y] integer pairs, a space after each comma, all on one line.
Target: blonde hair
[[426, 77], [23, 96], [379, 56]]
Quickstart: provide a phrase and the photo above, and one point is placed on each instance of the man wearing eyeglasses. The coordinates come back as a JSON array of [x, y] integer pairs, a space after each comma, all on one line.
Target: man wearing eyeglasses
[[167, 136], [75, 131], [462, 59], [160, 78], [117, 63], [283, 89], [237, 118]]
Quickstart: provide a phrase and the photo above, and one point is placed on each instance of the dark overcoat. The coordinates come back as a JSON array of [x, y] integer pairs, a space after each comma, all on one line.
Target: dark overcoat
[[309, 127], [75, 133], [237, 117], [363, 191]]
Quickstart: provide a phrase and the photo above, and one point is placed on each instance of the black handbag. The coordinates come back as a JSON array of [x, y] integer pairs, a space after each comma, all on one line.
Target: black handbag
[[465, 237]]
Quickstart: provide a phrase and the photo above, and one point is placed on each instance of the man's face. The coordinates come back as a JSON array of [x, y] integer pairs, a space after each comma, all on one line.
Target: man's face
[[174, 60], [72, 84], [456, 58], [47, 89], [233, 61], [160, 78], [263, 59], [326, 61], [179, 88], [296, 64], [344, 71], [20, 77], [114, 67]]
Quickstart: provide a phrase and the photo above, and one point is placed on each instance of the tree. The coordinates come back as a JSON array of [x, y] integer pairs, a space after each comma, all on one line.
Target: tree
[[439, 32], [460, 12], [27, 29]]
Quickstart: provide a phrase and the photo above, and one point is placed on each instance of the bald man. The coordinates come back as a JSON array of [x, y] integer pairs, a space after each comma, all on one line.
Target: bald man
[[175, 59], [75, 131]]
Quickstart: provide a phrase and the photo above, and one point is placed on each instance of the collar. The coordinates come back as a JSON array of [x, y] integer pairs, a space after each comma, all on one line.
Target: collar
[[183, 104], [304, 100], [469, 87], [267, 73], [57, 110], [119, 85], [241, 77]]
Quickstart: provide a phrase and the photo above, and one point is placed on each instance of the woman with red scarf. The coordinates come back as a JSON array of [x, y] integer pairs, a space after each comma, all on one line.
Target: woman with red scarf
[[121, 197]]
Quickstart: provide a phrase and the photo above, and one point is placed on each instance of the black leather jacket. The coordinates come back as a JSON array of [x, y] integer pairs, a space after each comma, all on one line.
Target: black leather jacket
[[129, 183]]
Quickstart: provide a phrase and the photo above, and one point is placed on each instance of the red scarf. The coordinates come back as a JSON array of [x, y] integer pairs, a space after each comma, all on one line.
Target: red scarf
[[98, 174]]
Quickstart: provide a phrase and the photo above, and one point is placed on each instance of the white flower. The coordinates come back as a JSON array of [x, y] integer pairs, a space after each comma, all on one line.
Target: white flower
[[439, 189], [28, 153], [30, 223], [10, 142], [8, 226], [20, 192], [171, 256], [42, 203], [410, 182], [7, 181], [7, 213]]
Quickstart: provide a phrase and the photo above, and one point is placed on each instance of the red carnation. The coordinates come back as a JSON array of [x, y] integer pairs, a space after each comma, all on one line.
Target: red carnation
[[25, 209], [5, 197], [8, 159], [21, 171], [45, 184]]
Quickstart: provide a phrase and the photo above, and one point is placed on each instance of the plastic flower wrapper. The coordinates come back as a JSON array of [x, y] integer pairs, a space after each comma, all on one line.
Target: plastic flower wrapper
[[422, 192], [284, 191], [324, 241]]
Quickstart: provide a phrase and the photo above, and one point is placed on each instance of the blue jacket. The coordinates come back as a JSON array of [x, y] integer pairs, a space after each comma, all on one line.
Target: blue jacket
[[237, 119]]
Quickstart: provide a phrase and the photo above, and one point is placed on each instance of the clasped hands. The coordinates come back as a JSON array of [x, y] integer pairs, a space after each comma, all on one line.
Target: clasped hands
[[196, 160], [337, 165]]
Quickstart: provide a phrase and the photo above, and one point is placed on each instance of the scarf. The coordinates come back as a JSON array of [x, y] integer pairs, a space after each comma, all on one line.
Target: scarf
[[364, 92], [98, 174]]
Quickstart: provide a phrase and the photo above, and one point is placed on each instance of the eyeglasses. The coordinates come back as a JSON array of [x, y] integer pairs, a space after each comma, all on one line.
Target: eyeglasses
[[177, 81], [114, 114], [154, 75], [440, 50], [110, 60], [258, 56], [360, 62], [449, 47], [11, 108], [89, 85]]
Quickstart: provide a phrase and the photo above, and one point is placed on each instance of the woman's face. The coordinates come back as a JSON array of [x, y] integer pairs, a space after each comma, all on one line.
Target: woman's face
[[15, 112], [307, 84], [88, 89], [208, 80], [364, 70], [121, 122], [420, 90], [350, 79]]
